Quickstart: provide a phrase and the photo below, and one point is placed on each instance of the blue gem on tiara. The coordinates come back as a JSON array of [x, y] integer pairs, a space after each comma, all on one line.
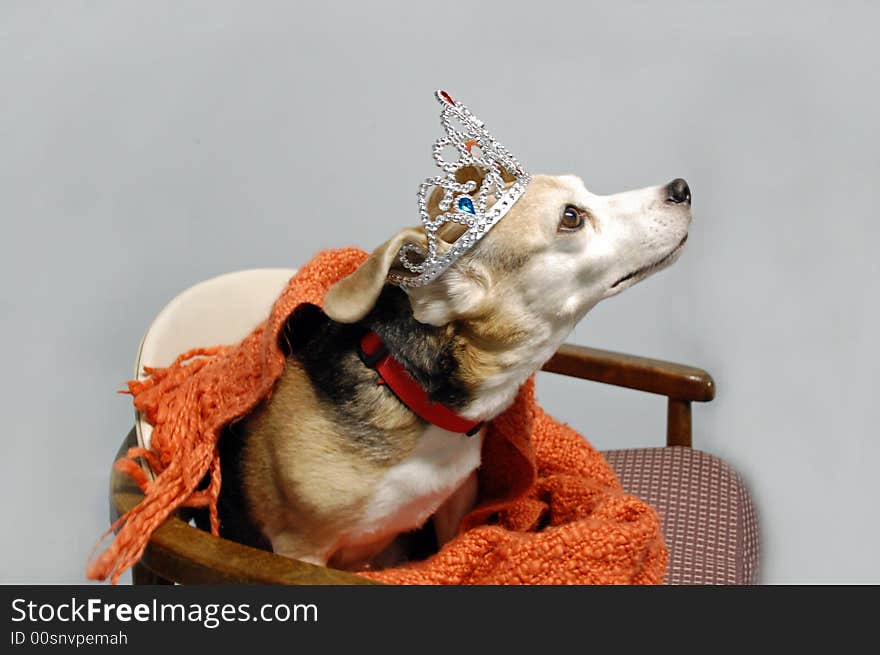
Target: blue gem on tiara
[[465, 204]]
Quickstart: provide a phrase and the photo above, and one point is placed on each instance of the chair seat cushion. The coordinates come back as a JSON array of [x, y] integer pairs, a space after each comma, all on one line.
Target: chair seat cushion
[[708, 518]]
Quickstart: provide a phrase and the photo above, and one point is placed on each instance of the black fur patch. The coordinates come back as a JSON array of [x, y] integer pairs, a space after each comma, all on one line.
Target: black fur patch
[[327, 350], [428, 353], [235, 523]]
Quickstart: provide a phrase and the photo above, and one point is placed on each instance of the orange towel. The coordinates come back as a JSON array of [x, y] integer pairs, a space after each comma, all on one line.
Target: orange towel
[[550, 509]]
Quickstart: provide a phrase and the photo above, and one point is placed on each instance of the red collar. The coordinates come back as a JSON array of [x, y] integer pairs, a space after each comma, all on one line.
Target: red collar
[[392, 373]]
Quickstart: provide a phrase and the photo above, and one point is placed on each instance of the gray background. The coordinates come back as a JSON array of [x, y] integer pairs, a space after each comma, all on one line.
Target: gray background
[[145, 147]]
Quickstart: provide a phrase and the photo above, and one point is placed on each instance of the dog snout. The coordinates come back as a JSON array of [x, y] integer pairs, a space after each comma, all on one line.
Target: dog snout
[[678, 192]]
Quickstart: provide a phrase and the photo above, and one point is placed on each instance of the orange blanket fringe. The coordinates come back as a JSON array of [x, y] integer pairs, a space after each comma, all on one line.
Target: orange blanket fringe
[[550, 511]]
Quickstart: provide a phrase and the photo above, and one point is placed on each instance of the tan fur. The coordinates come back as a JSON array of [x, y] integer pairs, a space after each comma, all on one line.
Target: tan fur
[[304, 479]]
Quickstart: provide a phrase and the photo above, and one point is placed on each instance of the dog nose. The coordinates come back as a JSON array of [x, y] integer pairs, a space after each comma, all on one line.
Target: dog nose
[[678, 191]]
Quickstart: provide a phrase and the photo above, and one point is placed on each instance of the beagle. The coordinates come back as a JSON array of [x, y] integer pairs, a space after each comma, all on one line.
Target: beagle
[[344, 457]]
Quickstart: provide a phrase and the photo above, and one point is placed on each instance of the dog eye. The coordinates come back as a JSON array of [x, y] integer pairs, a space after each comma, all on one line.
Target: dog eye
[[572, 219]]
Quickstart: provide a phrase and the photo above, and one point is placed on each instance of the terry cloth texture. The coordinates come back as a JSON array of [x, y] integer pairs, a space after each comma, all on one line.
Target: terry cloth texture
[[550, 509]]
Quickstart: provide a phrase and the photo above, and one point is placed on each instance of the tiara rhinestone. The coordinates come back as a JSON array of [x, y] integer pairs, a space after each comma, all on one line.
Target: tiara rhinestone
[[461, 203]]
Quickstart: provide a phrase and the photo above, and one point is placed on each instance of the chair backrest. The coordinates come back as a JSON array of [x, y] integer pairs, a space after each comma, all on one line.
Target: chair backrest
[[222, 310]]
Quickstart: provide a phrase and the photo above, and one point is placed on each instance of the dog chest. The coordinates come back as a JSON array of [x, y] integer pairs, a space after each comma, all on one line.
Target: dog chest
[[412, 490]]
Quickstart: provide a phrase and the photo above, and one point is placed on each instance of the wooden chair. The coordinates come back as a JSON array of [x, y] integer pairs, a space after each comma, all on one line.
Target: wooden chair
[[679, 482]]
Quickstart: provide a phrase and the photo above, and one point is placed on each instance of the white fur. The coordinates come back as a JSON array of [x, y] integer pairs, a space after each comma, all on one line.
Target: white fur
[[412, 490]]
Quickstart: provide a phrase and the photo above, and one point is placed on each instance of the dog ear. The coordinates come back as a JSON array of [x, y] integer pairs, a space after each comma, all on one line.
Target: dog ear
[[458, 293], [352, 298]]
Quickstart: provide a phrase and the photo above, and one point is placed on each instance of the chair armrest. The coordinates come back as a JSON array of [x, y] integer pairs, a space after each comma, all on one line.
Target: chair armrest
[[675, 381]]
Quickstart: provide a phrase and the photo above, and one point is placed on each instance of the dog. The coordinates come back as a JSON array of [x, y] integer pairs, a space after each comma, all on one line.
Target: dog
[[334, 467]]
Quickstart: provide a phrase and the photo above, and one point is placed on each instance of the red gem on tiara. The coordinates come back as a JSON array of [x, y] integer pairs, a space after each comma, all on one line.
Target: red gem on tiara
[[447, 97]]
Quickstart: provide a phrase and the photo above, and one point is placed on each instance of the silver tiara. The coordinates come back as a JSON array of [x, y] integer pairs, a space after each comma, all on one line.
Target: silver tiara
[[462, 202]]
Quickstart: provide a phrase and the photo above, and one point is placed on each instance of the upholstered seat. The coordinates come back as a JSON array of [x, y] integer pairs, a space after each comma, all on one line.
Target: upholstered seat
[[708, 518]]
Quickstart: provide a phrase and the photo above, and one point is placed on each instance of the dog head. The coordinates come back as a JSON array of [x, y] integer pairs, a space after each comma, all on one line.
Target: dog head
[[558, 252], [512, 299]]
